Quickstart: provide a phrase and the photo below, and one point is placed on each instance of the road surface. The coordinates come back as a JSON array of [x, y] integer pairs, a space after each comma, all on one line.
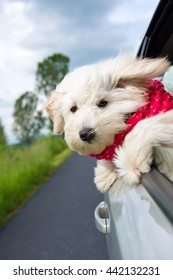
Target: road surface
[[58, 221]]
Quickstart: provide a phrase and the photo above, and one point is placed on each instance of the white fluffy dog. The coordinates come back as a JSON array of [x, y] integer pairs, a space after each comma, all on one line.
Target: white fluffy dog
[[115, 112]]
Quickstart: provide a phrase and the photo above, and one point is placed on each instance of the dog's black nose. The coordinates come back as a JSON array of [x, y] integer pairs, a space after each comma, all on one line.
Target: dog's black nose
[[87, 134]]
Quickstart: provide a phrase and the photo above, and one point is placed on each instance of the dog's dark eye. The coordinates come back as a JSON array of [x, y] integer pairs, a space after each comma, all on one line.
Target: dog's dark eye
[[102, 104], [73, 109]]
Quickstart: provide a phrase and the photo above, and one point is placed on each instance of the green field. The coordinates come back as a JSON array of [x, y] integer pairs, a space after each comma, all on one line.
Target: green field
[[24, 169]]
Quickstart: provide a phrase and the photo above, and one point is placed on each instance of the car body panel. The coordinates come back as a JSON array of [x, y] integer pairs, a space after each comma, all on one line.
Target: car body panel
[[139, 228]]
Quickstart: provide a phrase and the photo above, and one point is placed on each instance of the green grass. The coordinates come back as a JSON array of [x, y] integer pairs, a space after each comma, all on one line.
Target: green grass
[[24, 169]]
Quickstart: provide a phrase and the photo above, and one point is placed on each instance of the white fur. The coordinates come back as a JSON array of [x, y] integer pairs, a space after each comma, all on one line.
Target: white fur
[[122, 83]]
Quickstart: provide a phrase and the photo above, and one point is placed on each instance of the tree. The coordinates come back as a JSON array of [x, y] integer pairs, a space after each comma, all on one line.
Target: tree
[[50, 72], [28, 121], [3, 139]]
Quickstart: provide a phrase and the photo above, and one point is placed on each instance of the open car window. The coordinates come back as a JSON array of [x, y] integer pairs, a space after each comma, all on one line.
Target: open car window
[[158, 40]]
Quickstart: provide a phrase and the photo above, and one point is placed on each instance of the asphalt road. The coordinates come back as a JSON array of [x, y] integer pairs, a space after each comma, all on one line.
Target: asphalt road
[[58, 221]]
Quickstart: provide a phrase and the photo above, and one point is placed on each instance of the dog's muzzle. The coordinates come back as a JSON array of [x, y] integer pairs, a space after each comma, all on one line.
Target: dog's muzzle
[[87, 134]]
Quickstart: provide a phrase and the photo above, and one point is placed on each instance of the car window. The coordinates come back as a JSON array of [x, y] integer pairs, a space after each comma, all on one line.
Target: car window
[[158, 42]]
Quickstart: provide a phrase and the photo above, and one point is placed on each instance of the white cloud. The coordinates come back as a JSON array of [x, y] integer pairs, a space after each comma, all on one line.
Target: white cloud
[[132, 12], [16, 63]]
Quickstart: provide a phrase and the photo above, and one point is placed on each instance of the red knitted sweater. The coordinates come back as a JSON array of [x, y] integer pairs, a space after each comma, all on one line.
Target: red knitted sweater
[[158, 101]]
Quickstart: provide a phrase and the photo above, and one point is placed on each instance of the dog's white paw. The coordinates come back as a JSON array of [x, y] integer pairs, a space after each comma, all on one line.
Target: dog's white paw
[[131, 168], [104, 181], [105, 176]]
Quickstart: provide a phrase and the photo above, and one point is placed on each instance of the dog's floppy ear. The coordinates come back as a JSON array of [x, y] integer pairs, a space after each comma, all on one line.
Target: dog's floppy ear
[[138, 70], [53, 107]]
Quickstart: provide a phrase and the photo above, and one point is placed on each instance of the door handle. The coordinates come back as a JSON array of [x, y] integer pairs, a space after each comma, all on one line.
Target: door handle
[[102, 219]]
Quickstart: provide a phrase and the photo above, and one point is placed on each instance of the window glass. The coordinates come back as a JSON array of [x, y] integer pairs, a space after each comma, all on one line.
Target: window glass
[[168, 79]]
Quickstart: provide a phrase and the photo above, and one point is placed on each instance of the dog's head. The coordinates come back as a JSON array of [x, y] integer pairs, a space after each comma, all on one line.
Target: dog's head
[[91, 103]]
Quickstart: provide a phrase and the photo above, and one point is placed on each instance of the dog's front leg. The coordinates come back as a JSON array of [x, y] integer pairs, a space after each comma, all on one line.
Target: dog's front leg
[[105, 175], [136, 154]]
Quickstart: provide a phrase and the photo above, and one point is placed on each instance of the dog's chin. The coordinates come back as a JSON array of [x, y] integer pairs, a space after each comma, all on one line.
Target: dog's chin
[[86, 148]]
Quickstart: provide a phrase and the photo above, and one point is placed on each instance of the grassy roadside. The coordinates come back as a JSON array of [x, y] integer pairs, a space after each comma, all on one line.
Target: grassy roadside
[[24, 169]]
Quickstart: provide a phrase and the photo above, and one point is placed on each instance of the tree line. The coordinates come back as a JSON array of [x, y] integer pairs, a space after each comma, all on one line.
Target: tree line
[[29, 120]]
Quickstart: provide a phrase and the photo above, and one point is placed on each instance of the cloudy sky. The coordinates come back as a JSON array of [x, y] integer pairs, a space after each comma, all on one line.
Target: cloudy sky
[[85, 30]]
